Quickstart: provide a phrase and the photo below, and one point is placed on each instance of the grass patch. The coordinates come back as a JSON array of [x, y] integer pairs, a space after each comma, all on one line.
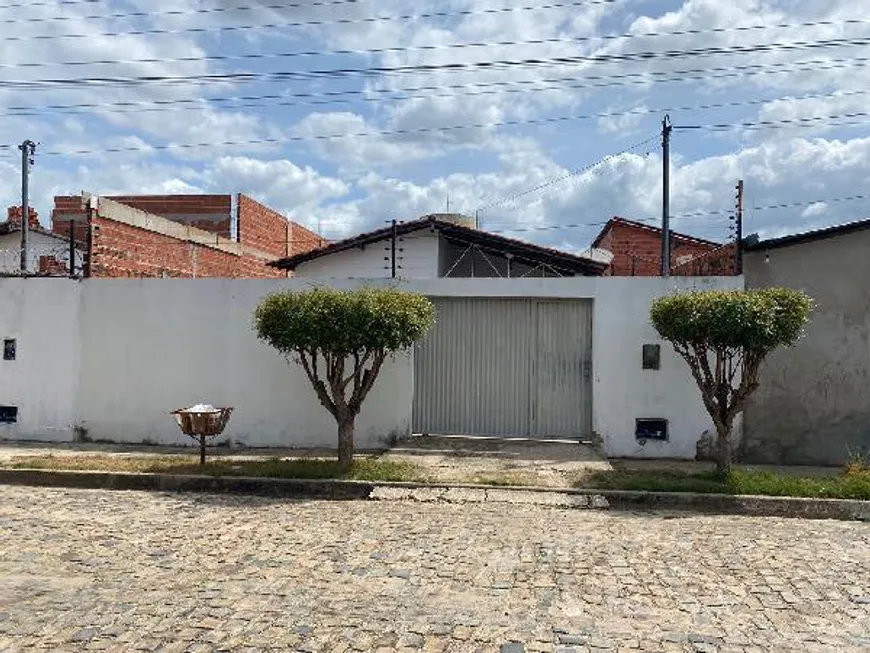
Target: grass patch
[[363, 469], [854, 485]]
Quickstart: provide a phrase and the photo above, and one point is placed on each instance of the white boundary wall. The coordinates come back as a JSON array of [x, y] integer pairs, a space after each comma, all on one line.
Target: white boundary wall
[[42, 315], [113, 357]]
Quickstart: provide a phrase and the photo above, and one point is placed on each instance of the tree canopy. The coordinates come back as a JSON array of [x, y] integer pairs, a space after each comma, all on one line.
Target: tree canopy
[[343, 322], [328, 330], [724, 336], [755, 320]]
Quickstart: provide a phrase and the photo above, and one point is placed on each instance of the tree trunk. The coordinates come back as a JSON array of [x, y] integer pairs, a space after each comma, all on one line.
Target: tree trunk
[[345, 441], [723, 449]]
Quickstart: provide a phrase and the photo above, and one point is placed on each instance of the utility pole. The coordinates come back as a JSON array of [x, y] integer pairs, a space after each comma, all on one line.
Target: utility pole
[[394, 232], [666, 196], [738, 217], [72, 250], [28, 148]]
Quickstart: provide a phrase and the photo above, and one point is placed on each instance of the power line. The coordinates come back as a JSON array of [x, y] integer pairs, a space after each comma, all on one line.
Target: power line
[[53, 3], [279, 141], [747, 125], [433, 47], [337, 97], [694, 214], [308, 5], [264, 26], [173, 12], [449, 67], [700, 107], [768, 124], [827, 200], [563, 177], [795, 122], [785, 205], [580, 225], [575, 225]]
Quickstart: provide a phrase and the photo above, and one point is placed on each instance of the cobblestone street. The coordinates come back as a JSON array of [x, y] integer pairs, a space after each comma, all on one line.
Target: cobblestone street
[[124, 571]]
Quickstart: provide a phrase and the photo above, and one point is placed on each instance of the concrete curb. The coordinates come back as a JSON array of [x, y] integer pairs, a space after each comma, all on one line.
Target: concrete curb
[[806, 508]]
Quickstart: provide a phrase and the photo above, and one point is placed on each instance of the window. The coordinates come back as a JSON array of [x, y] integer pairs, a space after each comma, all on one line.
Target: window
[[8, 414], [9, 349], [651, 429], [652, 357]]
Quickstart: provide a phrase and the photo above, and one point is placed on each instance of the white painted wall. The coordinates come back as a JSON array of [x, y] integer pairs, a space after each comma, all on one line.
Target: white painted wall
[[623, 390], [38, 244], [42, 315], [149, 346], [417, 259]]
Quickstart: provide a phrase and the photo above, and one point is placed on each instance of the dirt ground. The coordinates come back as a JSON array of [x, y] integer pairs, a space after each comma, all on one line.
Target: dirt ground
[[448, 459], [501, 461]]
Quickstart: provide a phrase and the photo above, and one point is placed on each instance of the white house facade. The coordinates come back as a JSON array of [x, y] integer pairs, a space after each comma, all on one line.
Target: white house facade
[[537, 358]]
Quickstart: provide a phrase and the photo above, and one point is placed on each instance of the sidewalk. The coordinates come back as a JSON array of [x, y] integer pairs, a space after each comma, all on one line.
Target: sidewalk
[[447, 459], [553, 464]]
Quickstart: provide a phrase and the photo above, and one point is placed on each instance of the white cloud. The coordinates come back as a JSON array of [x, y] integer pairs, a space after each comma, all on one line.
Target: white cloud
[[136, 58], [815, 210], [630, 186], [350, 183], [352, 149], [805, 111], [280, 183], [622, 123]]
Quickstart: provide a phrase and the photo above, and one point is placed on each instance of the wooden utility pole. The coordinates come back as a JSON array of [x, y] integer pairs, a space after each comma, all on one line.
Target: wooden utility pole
[[666, 196]]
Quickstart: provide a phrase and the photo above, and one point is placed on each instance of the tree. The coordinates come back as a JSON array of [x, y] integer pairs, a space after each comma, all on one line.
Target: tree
[[724, 336], [341, 339]]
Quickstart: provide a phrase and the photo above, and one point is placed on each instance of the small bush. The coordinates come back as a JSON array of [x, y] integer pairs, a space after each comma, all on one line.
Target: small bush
[[857, 462]]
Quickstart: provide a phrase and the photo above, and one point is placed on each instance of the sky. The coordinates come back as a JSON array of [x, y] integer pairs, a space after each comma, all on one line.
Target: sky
[[540, 117]]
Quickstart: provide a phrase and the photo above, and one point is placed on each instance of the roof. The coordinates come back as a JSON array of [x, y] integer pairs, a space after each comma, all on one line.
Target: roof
[[7, 228], [752, 242], [450, 230], [616, 220]]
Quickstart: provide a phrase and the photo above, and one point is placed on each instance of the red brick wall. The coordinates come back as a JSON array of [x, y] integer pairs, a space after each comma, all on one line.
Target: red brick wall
[[72, 207], [638, 251], [267, 230], [717, 262], [121, 250], [14, 213], [49, 265]]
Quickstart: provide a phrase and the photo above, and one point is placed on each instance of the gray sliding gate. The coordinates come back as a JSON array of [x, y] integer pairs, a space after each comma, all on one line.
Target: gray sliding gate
[[508, 367]]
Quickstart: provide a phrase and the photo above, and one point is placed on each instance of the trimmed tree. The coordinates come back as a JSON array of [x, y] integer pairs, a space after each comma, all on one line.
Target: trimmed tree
[[341, 339], [724, 336]]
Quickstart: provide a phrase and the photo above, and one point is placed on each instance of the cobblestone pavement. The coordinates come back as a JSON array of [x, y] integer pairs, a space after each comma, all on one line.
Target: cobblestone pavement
[[126, 571]]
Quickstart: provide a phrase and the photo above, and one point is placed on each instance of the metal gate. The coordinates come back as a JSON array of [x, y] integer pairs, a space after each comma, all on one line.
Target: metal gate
[[508, 367]]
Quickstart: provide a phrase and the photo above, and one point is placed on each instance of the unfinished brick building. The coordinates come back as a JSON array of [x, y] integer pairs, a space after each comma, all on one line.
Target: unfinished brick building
[[637, 252], [179, 235]]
